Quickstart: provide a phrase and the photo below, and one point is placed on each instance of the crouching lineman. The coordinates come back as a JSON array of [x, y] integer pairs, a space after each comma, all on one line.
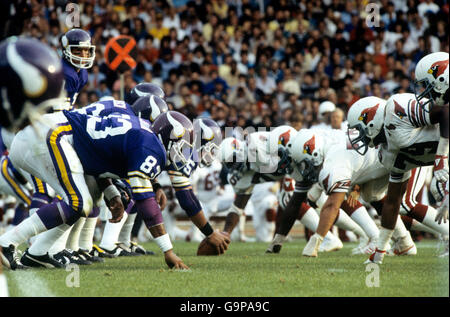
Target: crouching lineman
[[262, 159], [412, 131], [321, 160], [117, 146]]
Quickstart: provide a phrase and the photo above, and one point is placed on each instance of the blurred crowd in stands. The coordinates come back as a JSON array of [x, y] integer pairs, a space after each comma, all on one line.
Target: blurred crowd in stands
[[257, 63]]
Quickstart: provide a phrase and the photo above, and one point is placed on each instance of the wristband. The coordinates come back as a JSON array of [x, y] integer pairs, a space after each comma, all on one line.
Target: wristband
[[207, 230], [110, 192], [164, 242]]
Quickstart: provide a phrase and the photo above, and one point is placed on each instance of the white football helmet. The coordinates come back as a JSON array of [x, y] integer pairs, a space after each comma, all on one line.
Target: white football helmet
[[233, 154], [432, 75], [279, 138], [306, 150], [324, 107], [365, 122]]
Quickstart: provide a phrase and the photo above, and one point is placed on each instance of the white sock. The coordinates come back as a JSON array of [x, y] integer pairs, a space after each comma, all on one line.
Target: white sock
[[111, 233], [278, 238], [46, 240], [362, 218], [384, 238], [74, 235], [311, 220], [87, 234], [428, 221], [28, 228], [343, 221], [242, 219], [400, 230], [418, 226], [59, 244], [3, 286], [125, 233]]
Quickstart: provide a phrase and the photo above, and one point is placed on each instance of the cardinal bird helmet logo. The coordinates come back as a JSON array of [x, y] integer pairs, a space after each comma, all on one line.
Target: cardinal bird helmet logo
[[368, 114]]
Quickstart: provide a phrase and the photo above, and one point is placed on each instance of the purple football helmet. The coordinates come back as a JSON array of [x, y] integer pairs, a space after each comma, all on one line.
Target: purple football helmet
[[72, 43], [149, 107], [144, 89], [176, 133], [208, 137], [31, 81]]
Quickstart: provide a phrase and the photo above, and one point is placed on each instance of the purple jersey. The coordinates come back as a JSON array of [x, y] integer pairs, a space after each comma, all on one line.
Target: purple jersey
[[118, 146], [74, 81]]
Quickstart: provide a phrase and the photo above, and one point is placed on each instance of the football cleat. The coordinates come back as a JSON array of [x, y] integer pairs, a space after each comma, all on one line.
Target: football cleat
[[376, 257], [312, 247], [10, 258], [403, 246], [121, 250], [443, 241], [331, 244], [72, 256], [276, 248], [84, 254], [140, 249], [99, 252], [43, 261]]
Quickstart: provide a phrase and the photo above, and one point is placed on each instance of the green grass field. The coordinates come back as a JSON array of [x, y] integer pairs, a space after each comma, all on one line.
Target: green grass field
[[245, 271]]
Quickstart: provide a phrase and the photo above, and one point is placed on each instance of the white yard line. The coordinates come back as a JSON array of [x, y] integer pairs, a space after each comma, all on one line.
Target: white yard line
[[30, 284]]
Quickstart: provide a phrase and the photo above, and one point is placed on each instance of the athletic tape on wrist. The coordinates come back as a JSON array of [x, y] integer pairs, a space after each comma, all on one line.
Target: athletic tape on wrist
[[110, 192], [236, 209], [164, 242]]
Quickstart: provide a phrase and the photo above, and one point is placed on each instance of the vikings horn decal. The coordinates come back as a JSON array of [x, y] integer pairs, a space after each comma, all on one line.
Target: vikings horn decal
[[399, 111], [207, 132], [178, 129], [284, 138], [155, 109], [310, 145], [438, 68], [34, 83], [368, 114]]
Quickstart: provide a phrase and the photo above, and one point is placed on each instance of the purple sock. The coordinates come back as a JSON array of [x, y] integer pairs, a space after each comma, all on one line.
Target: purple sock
[[95, 212], [20, 214], [149, 209], [131, 209], [40, 200], [55, 214]]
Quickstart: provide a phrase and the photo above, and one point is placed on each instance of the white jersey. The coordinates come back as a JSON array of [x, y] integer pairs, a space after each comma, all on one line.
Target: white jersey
[[261, 166], [206, 182], [412, 139], [344, 168]]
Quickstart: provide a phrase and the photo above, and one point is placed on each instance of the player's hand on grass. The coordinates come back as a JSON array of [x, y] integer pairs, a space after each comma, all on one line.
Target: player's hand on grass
[[220, 240], [174, 262], [161, 198], [117, 209]]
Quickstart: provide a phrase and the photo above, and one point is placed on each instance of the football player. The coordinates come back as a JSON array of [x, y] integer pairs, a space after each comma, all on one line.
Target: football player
[[262, 159], [78, 56], [76, 245], [412, 131], [117, 146], [320, 158]]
